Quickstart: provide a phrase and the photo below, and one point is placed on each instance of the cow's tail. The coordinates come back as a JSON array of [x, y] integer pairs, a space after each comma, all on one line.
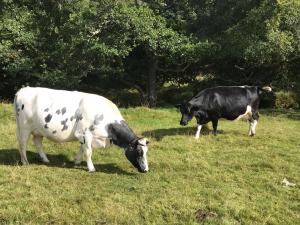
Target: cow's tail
[[264, 89]]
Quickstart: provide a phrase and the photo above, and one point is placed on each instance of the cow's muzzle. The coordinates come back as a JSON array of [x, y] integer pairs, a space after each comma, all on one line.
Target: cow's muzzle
[[183, 123], [142, 171]]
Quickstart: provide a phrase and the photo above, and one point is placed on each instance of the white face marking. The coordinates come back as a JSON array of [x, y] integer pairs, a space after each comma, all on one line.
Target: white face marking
[[197, 135], [143, 162]]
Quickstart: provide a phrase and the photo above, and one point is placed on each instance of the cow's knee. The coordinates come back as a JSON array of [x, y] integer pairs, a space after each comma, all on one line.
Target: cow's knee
[[215, 126], [88, 155], [86, 148], [252, 127], [78, 157]]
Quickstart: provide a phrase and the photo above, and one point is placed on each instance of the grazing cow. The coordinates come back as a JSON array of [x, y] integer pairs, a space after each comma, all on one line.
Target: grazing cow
[[229, 102], [63, 116]]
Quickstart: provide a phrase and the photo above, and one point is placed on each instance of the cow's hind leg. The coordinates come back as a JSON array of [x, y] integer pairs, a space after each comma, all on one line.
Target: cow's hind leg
[[23, 140], [37, 140], [253, 122]]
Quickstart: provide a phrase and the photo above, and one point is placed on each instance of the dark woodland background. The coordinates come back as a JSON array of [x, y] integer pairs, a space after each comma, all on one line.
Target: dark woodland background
[[150, 53]]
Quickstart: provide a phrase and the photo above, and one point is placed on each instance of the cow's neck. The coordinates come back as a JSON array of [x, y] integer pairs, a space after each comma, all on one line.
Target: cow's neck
[[121, 134]]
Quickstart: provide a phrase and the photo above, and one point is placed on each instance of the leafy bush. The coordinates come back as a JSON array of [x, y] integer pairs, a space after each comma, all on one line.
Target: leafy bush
[[286, 100]]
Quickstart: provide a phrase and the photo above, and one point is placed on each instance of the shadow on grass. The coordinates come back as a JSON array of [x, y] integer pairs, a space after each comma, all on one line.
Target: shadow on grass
[[159, 134], [11, 157]]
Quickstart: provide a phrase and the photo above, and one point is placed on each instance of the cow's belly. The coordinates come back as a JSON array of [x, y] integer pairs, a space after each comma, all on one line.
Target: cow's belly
[[242, 112], [54, 132]]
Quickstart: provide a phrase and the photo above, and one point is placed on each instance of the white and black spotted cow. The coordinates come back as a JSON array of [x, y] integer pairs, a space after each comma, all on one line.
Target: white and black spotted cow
[[229, 102], [63, 116]]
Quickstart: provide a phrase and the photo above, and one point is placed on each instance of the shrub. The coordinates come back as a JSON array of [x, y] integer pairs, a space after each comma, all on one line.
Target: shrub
[[286, 100]]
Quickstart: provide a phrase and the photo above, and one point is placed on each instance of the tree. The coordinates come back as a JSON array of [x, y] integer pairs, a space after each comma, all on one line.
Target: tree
[[137, 34], [17, 40]]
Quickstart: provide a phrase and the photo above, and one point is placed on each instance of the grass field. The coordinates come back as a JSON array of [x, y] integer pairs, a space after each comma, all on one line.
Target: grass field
[[227, 179]]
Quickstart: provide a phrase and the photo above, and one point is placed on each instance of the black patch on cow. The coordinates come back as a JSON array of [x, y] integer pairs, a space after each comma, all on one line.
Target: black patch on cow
[[71, 118], [54, 132], [46, 110], [46, 126], [22, 106], [58, 111], [48, 118], [121, 134], [98, 119], [79, 117], [92, 128], [63, 110], [64, 123]]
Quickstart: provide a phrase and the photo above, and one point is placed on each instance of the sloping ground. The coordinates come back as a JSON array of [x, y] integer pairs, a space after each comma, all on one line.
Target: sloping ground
[[228, 179]]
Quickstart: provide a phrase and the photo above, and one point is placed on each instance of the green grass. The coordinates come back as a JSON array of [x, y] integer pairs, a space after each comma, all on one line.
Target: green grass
[[228, 179]]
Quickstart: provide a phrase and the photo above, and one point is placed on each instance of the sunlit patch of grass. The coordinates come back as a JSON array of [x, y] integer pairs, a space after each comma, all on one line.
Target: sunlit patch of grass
[[227, 179]]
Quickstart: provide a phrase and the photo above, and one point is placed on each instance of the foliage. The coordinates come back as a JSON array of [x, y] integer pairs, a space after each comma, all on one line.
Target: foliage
[[144, 44], [286, 100]]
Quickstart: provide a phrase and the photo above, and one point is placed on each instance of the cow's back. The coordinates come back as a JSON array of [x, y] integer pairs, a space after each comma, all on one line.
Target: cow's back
[[56, 114], [226, 101]]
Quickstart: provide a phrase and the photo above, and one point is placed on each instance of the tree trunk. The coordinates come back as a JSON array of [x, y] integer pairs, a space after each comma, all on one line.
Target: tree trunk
[[151, 90]]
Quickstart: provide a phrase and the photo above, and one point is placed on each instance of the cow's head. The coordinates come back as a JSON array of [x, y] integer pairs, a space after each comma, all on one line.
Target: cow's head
[[136, 153], [187, 112]]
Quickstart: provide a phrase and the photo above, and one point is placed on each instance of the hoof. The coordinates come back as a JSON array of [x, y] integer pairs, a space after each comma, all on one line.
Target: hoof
[[91, 169], [24, 163]]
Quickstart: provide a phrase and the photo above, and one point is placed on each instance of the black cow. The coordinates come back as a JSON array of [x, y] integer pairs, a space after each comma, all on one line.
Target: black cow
[[229, 102]]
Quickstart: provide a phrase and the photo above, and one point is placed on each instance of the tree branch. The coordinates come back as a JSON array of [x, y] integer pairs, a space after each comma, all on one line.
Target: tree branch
[[130, 84]]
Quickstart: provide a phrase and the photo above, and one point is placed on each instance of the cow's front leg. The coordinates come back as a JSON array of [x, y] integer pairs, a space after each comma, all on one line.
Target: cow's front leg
[[87, 150], [78, 157], [85, 138], [197, 135], [215, 125]]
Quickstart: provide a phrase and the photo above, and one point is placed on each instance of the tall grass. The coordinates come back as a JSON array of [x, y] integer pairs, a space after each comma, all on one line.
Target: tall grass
[[227, 179]]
